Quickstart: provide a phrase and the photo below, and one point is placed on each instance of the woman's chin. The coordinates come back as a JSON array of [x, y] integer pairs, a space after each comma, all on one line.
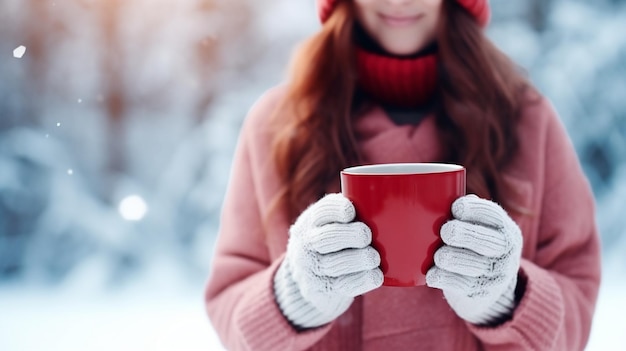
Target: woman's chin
[[403, 49]]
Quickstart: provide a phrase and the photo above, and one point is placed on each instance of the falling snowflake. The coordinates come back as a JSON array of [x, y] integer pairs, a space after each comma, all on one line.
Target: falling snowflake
[[133, 208], [59, 124], [70, 171], [19, 51]]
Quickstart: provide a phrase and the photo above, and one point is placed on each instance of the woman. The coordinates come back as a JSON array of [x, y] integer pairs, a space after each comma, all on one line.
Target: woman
[[404, 81]]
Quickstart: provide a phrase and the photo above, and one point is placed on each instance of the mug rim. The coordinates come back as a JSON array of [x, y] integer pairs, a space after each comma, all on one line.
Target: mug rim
[[402, 169]]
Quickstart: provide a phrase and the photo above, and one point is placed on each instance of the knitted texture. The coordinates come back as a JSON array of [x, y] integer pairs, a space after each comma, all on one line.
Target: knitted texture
[[403, 82], [477, 8], [478, 265], [329, 261]]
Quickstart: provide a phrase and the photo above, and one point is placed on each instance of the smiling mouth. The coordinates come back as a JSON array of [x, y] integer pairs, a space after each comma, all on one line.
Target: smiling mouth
[[400, 21]]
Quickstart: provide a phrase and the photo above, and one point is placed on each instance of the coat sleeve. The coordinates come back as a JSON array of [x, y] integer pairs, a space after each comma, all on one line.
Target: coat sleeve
[[239, 294], [562, 278]]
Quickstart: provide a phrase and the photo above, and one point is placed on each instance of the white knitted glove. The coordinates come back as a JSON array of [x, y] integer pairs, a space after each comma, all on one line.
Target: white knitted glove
[[478, 265], [328, 262]]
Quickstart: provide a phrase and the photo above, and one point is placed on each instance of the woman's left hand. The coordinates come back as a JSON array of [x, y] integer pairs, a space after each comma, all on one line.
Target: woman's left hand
[[478, 264]]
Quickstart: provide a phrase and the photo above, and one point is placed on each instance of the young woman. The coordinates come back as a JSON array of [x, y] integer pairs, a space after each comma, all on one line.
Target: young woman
[[388, 81]]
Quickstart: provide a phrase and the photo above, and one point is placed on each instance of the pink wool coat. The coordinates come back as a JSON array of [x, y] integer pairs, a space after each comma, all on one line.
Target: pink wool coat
[[560, 264]]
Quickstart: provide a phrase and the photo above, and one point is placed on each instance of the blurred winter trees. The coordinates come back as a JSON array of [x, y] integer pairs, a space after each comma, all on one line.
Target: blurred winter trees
[[117, 98]]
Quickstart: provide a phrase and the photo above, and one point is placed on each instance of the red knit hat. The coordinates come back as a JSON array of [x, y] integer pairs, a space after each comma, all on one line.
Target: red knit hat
[[478, 8]]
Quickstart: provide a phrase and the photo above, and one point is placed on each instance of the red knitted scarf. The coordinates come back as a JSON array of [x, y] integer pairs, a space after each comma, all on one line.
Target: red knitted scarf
[[397, 81]]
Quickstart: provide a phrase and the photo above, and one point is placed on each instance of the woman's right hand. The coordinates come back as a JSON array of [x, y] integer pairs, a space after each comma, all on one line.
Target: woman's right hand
[[328, 262]]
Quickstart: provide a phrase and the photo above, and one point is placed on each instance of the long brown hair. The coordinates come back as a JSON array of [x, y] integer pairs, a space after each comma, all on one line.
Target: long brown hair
[[477, 106]]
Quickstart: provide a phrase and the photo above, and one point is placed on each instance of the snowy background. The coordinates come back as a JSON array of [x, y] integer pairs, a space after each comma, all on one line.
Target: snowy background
[[118, 120]]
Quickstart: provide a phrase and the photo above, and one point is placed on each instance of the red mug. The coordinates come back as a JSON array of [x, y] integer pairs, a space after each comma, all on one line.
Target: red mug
[[405, 205]]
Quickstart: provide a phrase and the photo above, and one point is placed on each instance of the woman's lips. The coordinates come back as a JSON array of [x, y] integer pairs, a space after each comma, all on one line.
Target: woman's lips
[[400, 21]]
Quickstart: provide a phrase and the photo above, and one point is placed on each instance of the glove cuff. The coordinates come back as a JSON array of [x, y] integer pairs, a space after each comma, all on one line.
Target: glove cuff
[[296, 309], [501, 310]]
